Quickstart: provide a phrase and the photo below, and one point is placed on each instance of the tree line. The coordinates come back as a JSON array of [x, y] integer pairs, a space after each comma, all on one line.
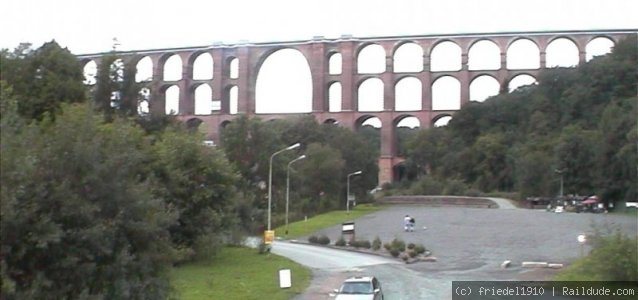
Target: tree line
[[580, 123], [100, 201]]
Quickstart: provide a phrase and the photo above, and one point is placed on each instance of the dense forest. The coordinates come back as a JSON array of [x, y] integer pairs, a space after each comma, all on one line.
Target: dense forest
[[580, 123], [99, 201]]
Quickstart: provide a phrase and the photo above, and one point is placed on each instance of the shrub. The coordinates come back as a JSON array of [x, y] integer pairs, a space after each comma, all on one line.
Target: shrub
[[361, 244], [313, 239], [340, 242], [412, 254], [387, 246], [612, 258], [419, 249], [323, 240], [263, 248], [395, 252], [376, 244], [411, 246], [398, 244]]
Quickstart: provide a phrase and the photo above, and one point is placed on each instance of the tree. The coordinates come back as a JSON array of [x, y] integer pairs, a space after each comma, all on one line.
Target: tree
[[199, 184], [322, 173], [43, 79], [77, 219]]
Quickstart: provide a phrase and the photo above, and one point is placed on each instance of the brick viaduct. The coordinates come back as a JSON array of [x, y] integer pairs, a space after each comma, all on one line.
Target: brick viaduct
[[318, 53]]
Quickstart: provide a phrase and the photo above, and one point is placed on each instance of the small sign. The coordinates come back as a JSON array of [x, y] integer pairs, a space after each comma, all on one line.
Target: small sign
[[285, 278], [269, 237], [347, 227]]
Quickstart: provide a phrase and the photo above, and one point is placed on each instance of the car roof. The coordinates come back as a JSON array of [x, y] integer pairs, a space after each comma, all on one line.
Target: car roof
[[359, 279]]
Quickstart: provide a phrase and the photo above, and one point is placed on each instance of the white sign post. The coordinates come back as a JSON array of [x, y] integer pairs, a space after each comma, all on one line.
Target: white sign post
[[285, 280], [582, 239]]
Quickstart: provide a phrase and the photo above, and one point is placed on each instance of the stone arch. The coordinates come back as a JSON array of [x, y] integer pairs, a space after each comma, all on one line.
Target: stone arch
[[203, 97], [284, 83], [407, 120], [370, 95], [561, 52], [441, 120], [334, 97], [446, 93], [371, 59], [144, 69], [232, 94], [331, 121], [335, 63], [445, 56], [519, 81], [172, 68], [408, 94], [483, 87], [368, 120], [599, 45], [193, 124], [523, 53], [143, 103], [90, 72], [408, 58], [203, 65], [171, 99], [233, 67], [484, 55]]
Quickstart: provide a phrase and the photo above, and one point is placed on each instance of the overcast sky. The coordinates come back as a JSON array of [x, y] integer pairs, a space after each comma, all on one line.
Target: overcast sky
[[86, 26]]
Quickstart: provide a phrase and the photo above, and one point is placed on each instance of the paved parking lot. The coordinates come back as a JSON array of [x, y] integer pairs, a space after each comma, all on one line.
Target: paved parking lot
[[471, 243]]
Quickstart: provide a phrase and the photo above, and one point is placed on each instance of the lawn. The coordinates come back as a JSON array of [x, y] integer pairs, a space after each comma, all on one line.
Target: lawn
[[303, 228], [239, 273], [242, 273]]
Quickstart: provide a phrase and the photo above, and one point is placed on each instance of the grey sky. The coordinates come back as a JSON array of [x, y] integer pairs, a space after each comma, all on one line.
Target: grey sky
[[86, 26]]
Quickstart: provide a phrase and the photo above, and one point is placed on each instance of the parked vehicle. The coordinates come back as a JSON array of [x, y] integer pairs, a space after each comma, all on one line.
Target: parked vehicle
[[360, 288]]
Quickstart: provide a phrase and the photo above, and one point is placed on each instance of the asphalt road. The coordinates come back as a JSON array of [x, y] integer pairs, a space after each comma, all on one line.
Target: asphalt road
[[469, 244]]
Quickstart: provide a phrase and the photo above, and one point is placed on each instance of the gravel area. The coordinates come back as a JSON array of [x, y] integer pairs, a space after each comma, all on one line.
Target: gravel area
[[472, 238], [472, 243]]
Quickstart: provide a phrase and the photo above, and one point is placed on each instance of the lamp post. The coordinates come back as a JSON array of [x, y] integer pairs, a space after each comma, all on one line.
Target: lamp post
[[288, 187], [561, 171], [270, 178], [348, 189]]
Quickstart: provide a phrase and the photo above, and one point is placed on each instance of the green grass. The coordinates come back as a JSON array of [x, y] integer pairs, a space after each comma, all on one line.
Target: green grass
[[303, 228], [238, 273]]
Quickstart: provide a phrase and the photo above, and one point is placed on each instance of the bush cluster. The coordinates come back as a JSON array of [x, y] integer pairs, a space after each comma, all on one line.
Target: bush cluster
[[321, 240]]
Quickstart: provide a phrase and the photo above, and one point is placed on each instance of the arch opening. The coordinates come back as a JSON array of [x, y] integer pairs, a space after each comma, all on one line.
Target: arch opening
[[408, 94], [446, 94], [173, 68], [446, 56], [371, 60], [523, 54], [484, 55], [203, 67], [370, 95], [284, 83], [483, 87], [408, 58], [144, 72]]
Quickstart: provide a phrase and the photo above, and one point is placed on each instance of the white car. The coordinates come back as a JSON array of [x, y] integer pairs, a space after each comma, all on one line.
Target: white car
[[360, 288]]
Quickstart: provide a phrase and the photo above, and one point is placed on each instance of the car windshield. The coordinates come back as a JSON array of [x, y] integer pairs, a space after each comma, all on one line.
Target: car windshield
[[356, 288]]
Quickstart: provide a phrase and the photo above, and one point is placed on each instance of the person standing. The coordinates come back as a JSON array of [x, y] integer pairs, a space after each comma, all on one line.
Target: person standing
[[406, 223]]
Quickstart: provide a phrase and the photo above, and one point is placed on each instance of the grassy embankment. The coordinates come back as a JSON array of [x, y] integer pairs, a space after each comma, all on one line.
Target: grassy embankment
[[304, 228], [242, 273]]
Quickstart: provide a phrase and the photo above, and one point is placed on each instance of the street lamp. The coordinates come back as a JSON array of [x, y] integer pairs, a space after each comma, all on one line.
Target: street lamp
[[348, 189], [561, 171], [288, 187], [270, 179]]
